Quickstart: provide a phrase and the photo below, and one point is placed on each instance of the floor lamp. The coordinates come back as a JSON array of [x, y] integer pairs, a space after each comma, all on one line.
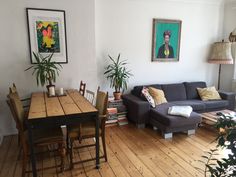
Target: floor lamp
[[221, 54]]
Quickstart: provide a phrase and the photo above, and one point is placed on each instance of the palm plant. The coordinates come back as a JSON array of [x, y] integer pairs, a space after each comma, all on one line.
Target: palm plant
[[45, 70], [226, 139], [118, 74]]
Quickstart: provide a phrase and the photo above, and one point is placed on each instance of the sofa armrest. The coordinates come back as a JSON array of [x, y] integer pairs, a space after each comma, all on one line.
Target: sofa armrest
[[230, 96], [138, 110]]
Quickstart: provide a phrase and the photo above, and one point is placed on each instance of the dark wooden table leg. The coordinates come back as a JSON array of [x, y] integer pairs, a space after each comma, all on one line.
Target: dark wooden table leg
[[97, 142], [31, 146]]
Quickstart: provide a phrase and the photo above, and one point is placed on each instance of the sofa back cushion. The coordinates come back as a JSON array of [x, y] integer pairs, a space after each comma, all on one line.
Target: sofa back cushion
[[174, 92], [137, 90], [191, 89]]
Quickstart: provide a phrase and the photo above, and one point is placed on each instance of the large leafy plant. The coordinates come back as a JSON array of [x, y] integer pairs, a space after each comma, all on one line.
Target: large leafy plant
[[117, 73], [45, 70], [226, 139]]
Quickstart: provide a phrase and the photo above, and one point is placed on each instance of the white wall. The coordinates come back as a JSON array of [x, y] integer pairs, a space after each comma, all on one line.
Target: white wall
[[227, 74], [122, 26], [14, 49], [125, 27]]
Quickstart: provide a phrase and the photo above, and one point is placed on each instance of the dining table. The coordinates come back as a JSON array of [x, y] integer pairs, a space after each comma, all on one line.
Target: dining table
[[54, 111]]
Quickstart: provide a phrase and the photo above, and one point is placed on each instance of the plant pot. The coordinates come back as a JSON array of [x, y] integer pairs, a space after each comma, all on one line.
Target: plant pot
[[117, 95]]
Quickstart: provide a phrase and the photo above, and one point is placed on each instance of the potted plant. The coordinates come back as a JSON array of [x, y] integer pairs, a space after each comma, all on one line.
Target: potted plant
[[45, 70], [215, 166], [118, 75]]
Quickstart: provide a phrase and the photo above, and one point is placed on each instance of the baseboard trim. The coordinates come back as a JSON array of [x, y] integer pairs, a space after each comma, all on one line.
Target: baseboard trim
[[13, 132], [10, 132]]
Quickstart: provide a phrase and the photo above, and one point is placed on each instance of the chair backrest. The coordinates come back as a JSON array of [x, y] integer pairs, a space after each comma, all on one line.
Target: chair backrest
[[13, 113], [13, 89], [82, 88], [90, 96], [102, 102], [18, 114], [17, 110]]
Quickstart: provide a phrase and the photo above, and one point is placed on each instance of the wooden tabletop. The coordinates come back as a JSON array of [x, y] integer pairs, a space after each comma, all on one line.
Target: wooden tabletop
[[42, 106], [212, 117]]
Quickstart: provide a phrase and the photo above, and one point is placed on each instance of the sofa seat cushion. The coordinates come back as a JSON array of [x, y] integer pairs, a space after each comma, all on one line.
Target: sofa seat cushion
[[197, 105], [160, 114], [216, 104]]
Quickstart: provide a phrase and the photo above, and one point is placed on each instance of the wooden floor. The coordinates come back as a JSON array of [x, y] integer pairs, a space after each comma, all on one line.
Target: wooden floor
[[131, 152]]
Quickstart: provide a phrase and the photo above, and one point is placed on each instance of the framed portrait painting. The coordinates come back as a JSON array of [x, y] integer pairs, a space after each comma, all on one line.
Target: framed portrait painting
[[47, 33], [166, 40]]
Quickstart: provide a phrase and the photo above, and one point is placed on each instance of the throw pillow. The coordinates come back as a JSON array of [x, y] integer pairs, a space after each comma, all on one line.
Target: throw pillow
[[158, 95], [148, 97], [184, 111], [208, 93]]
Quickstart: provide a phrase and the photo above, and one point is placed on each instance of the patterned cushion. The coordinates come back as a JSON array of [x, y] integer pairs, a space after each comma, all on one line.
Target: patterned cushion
[[148, 96]]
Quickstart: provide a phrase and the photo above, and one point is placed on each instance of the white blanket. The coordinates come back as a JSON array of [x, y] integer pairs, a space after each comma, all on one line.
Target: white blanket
[[184, 111]]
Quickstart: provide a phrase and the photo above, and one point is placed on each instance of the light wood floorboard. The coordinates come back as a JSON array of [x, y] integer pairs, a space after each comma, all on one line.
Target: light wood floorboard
[[131, 152]]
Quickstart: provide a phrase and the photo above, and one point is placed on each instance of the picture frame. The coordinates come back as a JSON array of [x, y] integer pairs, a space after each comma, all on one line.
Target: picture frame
[[166, 37], [47, 33]]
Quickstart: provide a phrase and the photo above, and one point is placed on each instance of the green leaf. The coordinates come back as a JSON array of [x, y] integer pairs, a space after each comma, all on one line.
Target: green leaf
[[44, 69], [205, 157]]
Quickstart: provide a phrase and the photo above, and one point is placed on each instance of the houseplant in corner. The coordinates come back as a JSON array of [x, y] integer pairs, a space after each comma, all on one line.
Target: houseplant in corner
[[45, 70], [226, 139], [118, 75]]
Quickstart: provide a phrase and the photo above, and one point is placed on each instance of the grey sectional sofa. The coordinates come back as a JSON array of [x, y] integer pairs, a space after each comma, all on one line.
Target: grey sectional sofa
[[141, 113]]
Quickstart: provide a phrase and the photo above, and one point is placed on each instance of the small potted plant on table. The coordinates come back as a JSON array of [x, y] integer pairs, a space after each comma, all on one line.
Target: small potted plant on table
[[45, 70], [118, 75]]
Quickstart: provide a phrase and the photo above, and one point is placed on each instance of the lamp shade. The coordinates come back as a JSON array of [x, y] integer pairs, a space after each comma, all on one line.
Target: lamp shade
[[221, 53]]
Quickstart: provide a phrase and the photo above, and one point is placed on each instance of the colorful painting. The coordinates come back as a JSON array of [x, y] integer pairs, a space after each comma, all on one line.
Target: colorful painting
[[166, 40], [48, 36], [47, 33]]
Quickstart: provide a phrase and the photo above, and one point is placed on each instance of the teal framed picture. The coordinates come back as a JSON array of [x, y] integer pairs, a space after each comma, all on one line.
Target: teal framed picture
[[166, 37]]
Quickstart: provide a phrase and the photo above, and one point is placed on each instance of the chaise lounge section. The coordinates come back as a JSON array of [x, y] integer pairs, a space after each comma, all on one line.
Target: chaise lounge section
[[180, 94]]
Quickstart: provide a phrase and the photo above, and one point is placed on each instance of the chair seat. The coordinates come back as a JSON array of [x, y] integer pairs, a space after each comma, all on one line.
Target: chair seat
[[86, 129], [42, 136]]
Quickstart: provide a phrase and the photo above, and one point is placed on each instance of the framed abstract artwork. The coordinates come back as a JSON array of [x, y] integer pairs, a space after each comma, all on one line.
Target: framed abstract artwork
[[166, 40], [47, 33]]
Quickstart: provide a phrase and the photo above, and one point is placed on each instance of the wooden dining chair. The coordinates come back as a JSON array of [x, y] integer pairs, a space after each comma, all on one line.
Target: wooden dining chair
[[82, 88], [89, 95], [13, 89], [41, 137], [87, 130], [24, 101]]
